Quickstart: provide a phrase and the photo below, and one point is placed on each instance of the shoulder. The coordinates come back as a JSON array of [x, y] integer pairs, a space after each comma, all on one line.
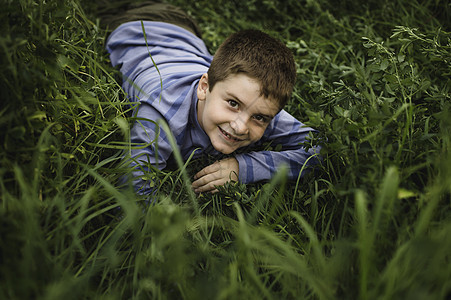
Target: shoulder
[[285, 126], [154, 56], [151, 33], [283, 121]]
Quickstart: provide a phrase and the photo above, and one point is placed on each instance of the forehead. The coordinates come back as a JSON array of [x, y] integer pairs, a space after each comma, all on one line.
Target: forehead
[[247, 91]]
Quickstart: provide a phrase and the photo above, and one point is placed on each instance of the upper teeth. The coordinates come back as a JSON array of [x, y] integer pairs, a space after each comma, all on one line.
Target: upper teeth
[[228, 135]]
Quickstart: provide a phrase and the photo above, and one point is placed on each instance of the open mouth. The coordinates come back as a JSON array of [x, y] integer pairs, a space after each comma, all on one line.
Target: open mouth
[[229, 136]]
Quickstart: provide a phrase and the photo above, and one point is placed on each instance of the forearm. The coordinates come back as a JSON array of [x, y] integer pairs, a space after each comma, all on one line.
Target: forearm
[[149, 150], [288, 135], [262, 165]]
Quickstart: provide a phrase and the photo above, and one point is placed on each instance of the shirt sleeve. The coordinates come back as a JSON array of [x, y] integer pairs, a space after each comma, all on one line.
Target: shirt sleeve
[[287, 135], [149, 147], [160, 66]]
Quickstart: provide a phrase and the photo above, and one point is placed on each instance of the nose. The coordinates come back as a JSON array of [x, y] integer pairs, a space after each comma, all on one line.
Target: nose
[[239, 125]]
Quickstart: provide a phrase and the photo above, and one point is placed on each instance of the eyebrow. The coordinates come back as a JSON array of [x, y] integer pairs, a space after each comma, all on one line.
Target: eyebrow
[[231, 95]]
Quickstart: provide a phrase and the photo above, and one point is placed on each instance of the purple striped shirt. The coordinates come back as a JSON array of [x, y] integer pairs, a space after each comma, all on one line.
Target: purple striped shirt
[[168, 91]]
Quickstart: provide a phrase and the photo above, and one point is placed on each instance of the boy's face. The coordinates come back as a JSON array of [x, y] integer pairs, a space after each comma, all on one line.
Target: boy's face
[[233, 114]]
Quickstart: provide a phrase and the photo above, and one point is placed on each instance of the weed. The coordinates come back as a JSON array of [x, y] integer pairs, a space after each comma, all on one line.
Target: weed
[[372, 222]]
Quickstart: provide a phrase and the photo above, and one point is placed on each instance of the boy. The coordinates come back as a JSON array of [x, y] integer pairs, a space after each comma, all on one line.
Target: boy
[[222, 106]]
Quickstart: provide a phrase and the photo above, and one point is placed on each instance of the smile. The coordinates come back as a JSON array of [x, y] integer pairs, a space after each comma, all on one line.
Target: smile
[[229, 136]]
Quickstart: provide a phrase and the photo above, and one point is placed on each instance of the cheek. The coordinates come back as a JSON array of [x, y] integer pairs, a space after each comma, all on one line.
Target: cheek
[[213, 117], [257, 133], [215, 110]]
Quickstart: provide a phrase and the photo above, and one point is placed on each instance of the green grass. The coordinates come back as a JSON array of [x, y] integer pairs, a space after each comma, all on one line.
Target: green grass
[[374, 221]]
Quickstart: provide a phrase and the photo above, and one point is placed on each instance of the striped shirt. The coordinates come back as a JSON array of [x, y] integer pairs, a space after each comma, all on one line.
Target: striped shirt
[[164, 83]]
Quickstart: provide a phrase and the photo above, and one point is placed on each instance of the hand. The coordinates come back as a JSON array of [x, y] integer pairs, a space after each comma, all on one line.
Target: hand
[[216, 174]]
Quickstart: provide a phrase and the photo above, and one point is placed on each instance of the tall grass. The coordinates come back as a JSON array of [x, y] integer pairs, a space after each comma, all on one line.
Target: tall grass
[[373, 222]]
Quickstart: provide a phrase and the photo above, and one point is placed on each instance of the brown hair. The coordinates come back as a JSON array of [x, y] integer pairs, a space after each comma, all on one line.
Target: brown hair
[[259, 56]]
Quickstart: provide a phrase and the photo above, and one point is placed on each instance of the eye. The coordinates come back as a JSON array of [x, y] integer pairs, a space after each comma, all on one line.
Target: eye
[[233, 103], [260, 118]]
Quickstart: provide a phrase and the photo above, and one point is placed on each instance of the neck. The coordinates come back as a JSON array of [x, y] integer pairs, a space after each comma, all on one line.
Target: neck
[[200, 109]]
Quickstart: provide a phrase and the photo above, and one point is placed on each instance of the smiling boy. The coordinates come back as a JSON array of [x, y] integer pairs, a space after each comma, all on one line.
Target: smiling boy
[[222, 106], [233, 114]]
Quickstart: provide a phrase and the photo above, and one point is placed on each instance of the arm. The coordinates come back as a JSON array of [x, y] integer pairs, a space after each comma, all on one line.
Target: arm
[[163, 93], [255, 166], [147, 139], [287, 133]]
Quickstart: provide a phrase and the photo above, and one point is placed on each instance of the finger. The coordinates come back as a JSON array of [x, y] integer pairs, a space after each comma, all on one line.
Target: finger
[[207, 170], [209, 187], [205, 179], [207, 182]]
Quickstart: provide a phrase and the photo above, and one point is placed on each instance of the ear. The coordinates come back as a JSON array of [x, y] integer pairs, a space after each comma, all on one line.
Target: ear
[[202, 88]]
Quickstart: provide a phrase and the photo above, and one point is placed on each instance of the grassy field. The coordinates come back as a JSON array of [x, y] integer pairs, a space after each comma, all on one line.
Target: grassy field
[[374, 221]]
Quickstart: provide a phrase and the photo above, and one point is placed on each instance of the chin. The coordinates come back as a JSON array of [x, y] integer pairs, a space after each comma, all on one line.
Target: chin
[[224, 151]]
